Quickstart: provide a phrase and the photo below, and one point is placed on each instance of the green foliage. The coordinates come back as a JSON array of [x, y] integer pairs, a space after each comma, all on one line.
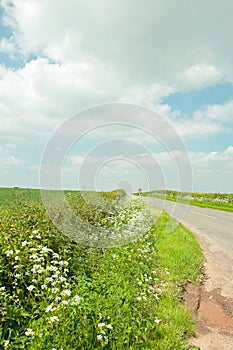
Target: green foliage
[[57, 294]]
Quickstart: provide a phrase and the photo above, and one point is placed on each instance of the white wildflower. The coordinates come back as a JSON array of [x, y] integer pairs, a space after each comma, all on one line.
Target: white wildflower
[[49, 279], [9, 252], [55, 290], [62, 279], [24, 243], [33, 256], [45, 250], [49, 308], [33, 249], [66, 292], [39, 259], [76, 300], [30, 288], [54, 318], [6, 343], [52, 268], [29, 332], [157, 320], [102, 324]]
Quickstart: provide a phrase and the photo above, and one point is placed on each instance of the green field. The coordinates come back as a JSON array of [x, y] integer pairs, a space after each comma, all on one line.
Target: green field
[[56, 293], [221, 201]]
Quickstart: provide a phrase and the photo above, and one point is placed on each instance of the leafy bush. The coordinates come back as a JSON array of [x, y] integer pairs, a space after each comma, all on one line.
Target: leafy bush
[[57, 294]]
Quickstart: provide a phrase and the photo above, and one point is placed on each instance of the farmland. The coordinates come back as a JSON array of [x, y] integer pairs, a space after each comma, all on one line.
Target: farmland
[[56, 293], [221, 201]]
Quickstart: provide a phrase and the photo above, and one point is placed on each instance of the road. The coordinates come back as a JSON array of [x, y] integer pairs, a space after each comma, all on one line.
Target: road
[[216, 224], [214, 231]]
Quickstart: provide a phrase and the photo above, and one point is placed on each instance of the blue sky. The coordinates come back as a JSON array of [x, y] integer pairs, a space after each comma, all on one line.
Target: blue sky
[[173, 58], [188, 102]]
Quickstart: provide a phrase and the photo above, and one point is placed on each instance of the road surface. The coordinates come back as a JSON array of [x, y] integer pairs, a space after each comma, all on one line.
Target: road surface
[[216, 224], [214, 231]]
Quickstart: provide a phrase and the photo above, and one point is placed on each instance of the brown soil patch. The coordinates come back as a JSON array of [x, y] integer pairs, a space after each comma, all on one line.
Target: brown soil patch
[[210, 309], [212, 315], [192, 297]]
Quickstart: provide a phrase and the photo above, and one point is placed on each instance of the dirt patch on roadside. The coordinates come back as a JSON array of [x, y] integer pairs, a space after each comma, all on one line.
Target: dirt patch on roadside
[[212, 303], [210, 309]]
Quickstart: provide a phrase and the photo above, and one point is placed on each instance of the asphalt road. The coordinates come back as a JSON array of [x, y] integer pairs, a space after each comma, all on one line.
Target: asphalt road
[[216, 224]]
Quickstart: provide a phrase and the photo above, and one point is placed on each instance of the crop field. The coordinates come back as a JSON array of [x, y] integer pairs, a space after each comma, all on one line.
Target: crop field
[[221, 201], [58, 293]]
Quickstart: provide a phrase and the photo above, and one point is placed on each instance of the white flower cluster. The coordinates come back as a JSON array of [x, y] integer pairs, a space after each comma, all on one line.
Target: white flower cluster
[[103, 332], [46, 275], [130, 222]]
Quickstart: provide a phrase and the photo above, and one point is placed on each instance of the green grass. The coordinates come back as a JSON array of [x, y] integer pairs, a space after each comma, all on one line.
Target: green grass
[[10, 197], [220, 201], [57, 294]]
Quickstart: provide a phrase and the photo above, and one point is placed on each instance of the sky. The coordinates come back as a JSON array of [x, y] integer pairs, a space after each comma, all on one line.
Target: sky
[[148, 86]]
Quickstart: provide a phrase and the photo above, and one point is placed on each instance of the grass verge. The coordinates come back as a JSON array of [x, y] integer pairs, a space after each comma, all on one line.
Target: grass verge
[[57, 294]]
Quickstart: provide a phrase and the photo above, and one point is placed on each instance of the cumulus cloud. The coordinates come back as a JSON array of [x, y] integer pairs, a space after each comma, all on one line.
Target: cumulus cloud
[[209, 120], [167, 42], [205, 159], [89, 53], [216, 113], [201, 75], [77, 54]]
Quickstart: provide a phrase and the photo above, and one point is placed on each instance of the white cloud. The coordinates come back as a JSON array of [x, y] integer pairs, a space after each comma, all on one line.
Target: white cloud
[[107, 52], [8, 46], [206, 159], [212, 171], [209, 120], [7, 159], [201, 75], [216, 113], [149, 96], [39, 95], [169, 43], [76, 159], [87, 53]]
